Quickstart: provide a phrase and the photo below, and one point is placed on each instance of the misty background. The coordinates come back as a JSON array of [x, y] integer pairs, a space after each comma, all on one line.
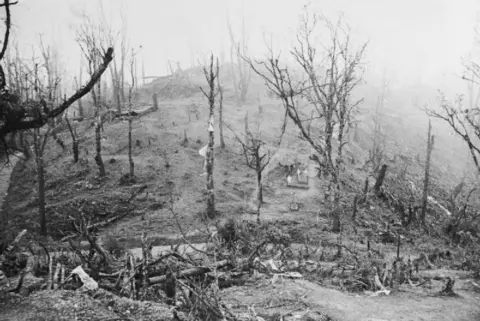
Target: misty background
[[417, 46], [411, 42]]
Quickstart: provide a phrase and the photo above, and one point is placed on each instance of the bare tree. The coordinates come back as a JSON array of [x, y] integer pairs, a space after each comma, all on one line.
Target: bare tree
[[51, 92], [330, 81], [257, 154], [81, 112], [75, 139], [241, 72], [220, 112], [377, 153], [130, 118], [118, 70], [39, 143], [211, 75], [88, 38], [13, 115], [464, 122], [430, 143]]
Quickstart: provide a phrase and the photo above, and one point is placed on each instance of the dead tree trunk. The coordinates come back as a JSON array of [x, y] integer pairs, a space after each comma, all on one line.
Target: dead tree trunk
[[130, 120], [98, 136], [380, 179], [259, 185], [58, 140], [430, 142], [39, 147], [116, 86], [155, 101], [98, 147], [74, 135], [210, 75]]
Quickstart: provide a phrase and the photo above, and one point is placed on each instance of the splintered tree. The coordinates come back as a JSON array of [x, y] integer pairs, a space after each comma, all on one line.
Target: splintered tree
[[88, 38], [211, 75], [321, 106], [377, 153], [241, 72], [426, 180]]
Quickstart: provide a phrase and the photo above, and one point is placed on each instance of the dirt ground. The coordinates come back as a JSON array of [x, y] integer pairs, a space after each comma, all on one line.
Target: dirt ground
[[288, 296], [170, 170]]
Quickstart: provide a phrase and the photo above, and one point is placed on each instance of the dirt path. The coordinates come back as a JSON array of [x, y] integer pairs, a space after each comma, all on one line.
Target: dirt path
[[404, 305]]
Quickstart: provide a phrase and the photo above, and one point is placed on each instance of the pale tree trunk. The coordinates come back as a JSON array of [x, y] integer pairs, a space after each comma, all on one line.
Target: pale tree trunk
[[220, 118], [430, 142], [210, 75]]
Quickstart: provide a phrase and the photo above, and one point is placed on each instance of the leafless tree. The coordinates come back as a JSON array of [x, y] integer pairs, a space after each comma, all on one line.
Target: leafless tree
[[464, 122], [51, 91], [377, 153], [220, 112], [211, 74], [75, 139], [256, 153], [130, 117], [13, 115], [241, 72], [89, 36], [117, 69], [321, 106], [39, 142], [426, 180]]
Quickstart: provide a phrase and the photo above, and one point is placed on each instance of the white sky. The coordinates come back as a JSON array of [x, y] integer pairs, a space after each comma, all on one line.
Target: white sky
[[414, 40]]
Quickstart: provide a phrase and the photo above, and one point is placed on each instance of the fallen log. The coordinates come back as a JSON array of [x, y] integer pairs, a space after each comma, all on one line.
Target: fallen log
[[136, 112], [199, 270]]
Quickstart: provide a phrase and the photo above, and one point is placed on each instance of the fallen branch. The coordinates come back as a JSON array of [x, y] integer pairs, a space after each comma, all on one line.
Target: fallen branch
[[94, 226]]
